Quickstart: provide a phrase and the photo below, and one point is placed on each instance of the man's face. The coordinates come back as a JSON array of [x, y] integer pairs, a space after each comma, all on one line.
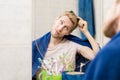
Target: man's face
[[62, 26], [111, 23], [110, 29]]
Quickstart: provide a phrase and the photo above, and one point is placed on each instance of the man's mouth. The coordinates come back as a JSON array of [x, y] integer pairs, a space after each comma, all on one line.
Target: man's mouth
[[56, 31]]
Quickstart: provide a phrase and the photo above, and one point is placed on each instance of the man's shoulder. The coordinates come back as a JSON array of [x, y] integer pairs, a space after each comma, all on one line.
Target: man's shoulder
[[114, 43], [112, 48], [78, 40]]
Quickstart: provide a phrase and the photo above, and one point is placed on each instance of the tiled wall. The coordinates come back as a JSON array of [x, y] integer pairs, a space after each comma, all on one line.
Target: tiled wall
[[15, 39]]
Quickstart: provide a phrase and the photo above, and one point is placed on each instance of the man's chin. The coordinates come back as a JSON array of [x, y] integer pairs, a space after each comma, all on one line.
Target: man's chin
[[56, 36], [110, 30], [109, 33]]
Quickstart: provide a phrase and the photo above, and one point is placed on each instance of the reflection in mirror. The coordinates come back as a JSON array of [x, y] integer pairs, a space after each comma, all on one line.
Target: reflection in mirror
[[45, 13]]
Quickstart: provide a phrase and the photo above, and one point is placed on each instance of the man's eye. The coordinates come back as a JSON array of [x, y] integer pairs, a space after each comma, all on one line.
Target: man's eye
[[61, 22], [66, 28]]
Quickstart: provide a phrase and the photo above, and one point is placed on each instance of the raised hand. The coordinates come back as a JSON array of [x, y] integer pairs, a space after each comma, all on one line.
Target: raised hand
[[82, 24]]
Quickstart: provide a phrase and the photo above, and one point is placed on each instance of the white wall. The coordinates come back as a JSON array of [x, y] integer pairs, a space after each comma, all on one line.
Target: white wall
[[15, 39], [98, 12], [101, 9], [46, 11]]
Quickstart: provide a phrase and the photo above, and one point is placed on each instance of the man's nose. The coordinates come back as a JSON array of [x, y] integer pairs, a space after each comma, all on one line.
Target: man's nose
[[60, 28]]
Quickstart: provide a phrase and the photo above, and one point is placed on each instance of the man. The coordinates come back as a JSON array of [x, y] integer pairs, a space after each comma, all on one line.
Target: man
[[57, 49], [106, 64]]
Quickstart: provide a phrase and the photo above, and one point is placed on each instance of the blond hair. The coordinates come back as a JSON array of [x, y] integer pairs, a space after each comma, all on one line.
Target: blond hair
[[73, 17]]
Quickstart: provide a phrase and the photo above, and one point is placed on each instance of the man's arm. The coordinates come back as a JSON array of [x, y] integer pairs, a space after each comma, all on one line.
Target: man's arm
[[86, 51]]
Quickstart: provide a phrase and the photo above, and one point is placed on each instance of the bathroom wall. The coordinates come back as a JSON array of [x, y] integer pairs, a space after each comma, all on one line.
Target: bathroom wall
[[15, 39]]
